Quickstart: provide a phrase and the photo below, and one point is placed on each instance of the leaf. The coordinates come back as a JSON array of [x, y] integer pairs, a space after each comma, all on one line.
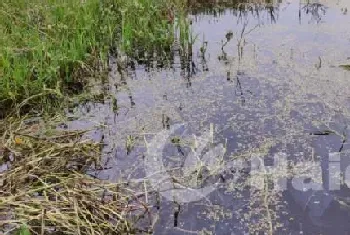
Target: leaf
[[18, 140], [23, 230]]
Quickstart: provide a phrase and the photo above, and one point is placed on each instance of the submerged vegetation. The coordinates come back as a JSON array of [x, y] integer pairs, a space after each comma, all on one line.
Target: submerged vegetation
[[346, 67]]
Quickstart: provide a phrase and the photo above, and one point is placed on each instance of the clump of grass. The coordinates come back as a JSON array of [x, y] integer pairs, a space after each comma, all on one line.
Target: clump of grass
[[149, 26], [48, 43], [130, 143], [146, 25], [46, 190], [346, 67]]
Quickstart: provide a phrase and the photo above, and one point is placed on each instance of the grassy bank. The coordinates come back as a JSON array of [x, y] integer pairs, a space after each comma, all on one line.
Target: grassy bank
[[48, 45], [52, 47], [49, 50]]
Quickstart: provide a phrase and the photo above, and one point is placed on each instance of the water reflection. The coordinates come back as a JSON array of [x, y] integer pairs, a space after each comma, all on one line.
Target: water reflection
[[315, 9], [265, 75], [244, 14]]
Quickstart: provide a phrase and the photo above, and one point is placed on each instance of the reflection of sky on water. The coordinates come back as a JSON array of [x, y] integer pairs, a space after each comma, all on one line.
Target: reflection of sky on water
[[286, 85]]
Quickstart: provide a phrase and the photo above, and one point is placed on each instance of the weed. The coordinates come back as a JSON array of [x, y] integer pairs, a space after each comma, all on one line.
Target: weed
[[130, 143], [346, 67], [23, 230]]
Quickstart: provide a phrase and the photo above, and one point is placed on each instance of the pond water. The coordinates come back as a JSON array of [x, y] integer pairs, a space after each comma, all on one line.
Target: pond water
[[262, 80]]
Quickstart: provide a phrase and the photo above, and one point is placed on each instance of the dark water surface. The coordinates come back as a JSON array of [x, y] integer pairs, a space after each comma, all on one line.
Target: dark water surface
[[275, 86]]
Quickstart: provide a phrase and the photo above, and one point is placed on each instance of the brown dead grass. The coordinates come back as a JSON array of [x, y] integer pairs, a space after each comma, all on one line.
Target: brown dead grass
[[45, 186]]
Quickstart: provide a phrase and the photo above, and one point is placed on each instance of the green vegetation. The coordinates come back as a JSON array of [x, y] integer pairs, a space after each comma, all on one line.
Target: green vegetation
[[47, 45], [23, 230], [52, 47], [148, 25], [346, 67]]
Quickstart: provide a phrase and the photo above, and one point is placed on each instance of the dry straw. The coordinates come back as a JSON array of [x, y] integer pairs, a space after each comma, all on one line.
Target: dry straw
[[46, 189]]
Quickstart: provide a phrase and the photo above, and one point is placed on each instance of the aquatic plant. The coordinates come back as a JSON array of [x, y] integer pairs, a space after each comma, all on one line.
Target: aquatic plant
[[346, 67]]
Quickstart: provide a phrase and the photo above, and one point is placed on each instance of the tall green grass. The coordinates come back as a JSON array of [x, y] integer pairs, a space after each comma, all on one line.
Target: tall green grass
[[47, 46], [146, 25], [44, 42]]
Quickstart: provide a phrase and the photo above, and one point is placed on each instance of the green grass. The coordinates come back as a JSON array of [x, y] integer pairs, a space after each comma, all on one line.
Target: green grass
[[49, 46], [44, 43], [146, 25], [346, 67], [23, 230]]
